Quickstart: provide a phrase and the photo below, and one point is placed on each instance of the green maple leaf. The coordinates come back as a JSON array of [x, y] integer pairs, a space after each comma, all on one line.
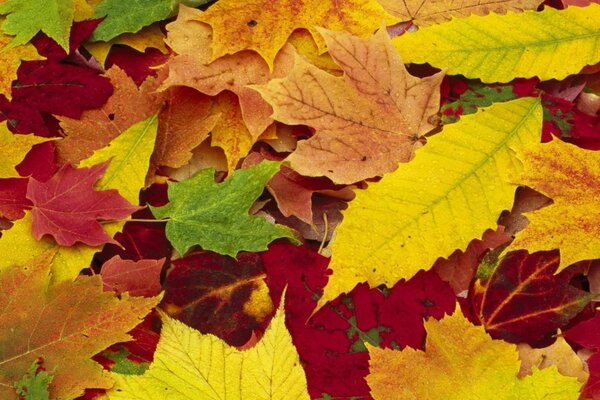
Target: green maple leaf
[[215, 215], [27, 17], [132, 15], [34, 384]]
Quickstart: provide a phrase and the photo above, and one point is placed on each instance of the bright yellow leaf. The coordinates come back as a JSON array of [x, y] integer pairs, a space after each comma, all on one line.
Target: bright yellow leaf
[[570, 176], [549, 44], [461, 362], [190, 365], [428, 12], [454, 189], [17, 246], [265, 25], [14, 148], [10, 60], [130, 158]]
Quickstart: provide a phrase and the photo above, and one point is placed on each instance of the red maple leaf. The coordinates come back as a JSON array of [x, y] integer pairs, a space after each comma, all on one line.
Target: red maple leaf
[[67, 206]]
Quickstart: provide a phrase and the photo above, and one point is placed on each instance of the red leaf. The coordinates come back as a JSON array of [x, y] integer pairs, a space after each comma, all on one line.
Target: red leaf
[[519, 299], [67, 206], [12, 198], [139, 278], [587, 334], [137, 65]]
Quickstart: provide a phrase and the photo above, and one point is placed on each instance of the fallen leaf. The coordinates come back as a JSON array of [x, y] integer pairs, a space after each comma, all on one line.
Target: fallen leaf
[[457, 351], [34, 384], [69, 218], [558, 353], [138, 278], [190, 365], [500, 48], [14, 148], [265, 25], [215, 216], [10, 60], [520, 299], [570, 176], [367, 121], [586, 334], [463, 174], [13, 200], [64, 324]]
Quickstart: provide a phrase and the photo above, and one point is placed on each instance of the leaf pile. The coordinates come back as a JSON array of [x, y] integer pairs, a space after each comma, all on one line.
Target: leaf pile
[[281, 199]]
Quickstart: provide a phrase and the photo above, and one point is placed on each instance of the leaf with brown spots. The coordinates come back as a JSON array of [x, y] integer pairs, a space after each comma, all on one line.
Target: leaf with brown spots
[[218, 294], [367, 121], [519, 299], [97, 128], [192, 67], [570, 176]]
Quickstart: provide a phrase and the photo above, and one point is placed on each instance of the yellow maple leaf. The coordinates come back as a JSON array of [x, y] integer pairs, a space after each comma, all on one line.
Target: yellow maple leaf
[[367, 121], [265, 25], [427, 12], [190, 365], [454, 189], [570, 176], [10, 60], [500, 48], [14, 148], [461, 362]]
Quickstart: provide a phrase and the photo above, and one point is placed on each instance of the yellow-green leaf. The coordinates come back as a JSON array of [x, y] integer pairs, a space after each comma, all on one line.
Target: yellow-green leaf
[[462, 362], [189, 365], [549, 44], [454, 189]]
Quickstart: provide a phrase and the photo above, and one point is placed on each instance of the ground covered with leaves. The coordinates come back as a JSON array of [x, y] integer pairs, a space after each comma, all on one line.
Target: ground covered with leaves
[[299, 199]]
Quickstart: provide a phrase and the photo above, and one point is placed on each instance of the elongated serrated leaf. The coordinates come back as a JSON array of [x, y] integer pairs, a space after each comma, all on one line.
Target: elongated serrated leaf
[[189, 365], [215, 216], [451, 192], [549, 44]]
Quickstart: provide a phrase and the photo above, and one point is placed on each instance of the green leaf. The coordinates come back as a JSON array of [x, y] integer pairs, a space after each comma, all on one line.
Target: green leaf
[[215, 215], [132, 15], [27, 17], [34, 385]]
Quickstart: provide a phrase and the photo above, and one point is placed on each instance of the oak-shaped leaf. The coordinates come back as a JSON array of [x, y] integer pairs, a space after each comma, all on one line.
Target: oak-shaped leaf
[[215, 215], [366, 121], [520, 299], [67, 207], [64, 324], [219, 295], [461, 362], [190, 365]]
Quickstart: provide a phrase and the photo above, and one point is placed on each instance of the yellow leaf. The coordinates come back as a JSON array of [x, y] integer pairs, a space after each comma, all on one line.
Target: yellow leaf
[[549, 44], [17, 246], [14, 148], [130, 157], [190, 365], [570, 176], [427, 12], [367, 121], [265, 25], [149, 37], [559, 353], [10, 60], [454, 189], [461, 362]]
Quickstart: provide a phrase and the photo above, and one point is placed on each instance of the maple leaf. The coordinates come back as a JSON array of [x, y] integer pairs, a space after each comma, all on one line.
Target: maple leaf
[[95, 128], [520, 299], [189, 365], [71, 218], [131, 16], [12, 198], [193, 67], [64, 324], [570, 176], [492, 49], [219, 295], [367, 121], [34, 384], [14, 148], [26, 18], [215, 216], [460, 352], [10, 60], [138, 278], [265, 25], [429, 12], [463, 174]]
